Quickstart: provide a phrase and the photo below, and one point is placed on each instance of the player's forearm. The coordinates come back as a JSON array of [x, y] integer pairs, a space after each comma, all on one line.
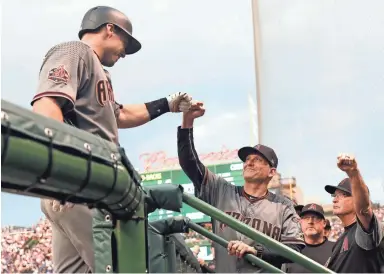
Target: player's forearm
[[188, 158], [133, 116], [187, 122], [361, 200], [276, 259], [48, 107]]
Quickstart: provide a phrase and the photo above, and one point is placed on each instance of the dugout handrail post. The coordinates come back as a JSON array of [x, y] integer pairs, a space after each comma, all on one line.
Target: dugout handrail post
[[224, 243], [257, 236]]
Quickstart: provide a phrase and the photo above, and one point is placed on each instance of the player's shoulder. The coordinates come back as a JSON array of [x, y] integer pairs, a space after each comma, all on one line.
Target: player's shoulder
[[281, 199], [70, 48]]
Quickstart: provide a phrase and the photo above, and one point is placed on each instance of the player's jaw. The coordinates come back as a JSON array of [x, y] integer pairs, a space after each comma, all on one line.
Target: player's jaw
[[255, 175], [112, 56]]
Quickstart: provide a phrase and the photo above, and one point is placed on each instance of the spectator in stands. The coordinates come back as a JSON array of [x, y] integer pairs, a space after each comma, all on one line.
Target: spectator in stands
[[196, 250], [318, 248]]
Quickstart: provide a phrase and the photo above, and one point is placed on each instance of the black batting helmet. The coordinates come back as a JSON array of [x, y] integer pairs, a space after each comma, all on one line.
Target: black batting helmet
[[100, 15]]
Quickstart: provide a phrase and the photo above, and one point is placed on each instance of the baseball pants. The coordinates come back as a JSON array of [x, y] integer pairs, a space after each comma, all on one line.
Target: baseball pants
[[72, 242]]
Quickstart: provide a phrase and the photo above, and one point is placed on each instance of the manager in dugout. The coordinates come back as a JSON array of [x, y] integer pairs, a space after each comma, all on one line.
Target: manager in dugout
[[252, 204]]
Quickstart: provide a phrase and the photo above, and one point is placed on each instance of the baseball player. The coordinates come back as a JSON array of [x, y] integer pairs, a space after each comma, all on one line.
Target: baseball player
[[252, 204], [360, 249], [74, 87], [317, 248]]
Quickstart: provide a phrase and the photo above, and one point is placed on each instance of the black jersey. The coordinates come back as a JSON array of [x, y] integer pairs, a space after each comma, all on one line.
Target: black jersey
[[319, 253], [358, 251]]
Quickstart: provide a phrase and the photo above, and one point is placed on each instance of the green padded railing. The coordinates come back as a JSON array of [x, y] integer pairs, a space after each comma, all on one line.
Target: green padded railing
[[257, 236], [249, 257]]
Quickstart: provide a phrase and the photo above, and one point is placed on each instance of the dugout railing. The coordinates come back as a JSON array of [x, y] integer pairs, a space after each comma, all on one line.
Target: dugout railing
[[41, 157]]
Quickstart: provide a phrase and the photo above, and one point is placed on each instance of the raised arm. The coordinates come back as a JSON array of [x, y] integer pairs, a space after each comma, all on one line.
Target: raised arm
[[188, 158], [135, 115], [370, 232], [208, 186]]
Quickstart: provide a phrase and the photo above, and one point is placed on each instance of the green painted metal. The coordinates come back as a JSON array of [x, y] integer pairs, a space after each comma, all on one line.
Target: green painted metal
[[132, 244], [28, 151], [32, 145], [224, 243], [255, 235]]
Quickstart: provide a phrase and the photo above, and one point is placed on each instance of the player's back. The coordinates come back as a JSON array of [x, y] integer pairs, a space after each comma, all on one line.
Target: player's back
[[73, 72]]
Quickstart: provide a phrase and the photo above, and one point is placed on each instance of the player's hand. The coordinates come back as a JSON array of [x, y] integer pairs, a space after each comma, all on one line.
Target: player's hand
[[238, 249], [57, 206], [347, 163], [196, 110], [179, 102]]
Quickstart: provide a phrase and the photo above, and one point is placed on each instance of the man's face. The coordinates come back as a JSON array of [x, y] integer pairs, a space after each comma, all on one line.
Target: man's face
[[312, 224], [257, 169], [342, 203], [115, 42]]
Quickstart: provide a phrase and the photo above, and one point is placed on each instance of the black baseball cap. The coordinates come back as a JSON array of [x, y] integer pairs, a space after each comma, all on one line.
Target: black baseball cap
[[266, 152], [344, 185], [299, 207], [313, 208]]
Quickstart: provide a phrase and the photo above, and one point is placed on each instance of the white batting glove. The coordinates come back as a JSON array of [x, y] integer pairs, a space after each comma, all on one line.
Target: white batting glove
[[179, 102]]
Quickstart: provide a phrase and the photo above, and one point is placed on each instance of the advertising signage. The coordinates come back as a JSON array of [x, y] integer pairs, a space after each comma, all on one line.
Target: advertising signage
[[231, 172]]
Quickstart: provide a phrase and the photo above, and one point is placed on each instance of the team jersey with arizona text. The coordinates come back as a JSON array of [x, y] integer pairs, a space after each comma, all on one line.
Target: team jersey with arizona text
[[273, 215], [357, 251], [72, 73]]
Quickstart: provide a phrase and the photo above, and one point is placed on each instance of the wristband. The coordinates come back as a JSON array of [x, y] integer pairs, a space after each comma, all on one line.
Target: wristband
[[157, 108], [259, 251]]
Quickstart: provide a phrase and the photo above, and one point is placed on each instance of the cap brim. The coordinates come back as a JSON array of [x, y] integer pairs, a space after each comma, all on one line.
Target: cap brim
[[245, 151], [331, 189], [134, 45], [313, 212]]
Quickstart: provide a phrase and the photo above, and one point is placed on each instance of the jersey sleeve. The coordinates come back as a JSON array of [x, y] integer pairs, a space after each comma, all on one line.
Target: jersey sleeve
[[213, 188], [291, 231], [372, 239], [208, 185], [63, 73]]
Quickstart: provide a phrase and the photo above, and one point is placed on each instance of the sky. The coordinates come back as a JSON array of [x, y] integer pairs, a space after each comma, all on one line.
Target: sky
[[321, 81]]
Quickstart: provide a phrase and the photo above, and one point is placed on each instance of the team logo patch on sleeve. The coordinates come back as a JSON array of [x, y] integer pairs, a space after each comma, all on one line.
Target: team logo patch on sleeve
[[59, 75]]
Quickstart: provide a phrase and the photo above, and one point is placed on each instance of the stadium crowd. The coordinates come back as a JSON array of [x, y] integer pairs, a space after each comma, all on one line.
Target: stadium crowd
[[28, 250]]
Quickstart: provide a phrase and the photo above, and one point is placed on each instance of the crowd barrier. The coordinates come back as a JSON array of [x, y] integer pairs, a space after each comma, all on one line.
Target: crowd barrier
[[44, 158]]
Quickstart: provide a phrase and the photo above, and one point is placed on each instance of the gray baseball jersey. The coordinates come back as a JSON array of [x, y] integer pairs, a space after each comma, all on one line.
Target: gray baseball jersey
[[273, 215], [72, 73]]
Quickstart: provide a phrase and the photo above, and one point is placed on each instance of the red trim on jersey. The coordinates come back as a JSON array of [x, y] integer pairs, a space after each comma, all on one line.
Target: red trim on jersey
[[53, 94], [256, 199]]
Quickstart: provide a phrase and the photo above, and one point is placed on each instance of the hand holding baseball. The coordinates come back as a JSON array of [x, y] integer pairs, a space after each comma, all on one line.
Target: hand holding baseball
[[346, 162]]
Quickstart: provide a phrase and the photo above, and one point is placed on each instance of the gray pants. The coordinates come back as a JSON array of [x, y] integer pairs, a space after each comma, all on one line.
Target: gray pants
[[72, 240]]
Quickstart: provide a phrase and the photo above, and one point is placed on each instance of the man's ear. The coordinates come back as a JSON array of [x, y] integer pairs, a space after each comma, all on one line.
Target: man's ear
[[272, 172]]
